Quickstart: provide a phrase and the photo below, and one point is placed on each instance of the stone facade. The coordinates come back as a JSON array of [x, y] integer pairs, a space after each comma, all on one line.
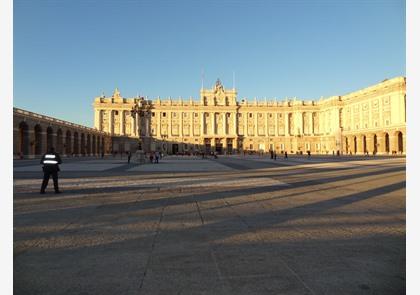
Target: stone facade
[[371, 120], [34, 133]]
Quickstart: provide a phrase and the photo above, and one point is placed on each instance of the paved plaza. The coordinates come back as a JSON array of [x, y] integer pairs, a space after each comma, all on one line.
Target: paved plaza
[[232, 225]]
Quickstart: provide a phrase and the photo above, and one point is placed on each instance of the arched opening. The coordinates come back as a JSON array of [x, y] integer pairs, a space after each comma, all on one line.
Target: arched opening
[[347, 145], [386, 142], [375, 144], [59, 141], [82, 144], [38, 140], [93, 145], [49, 137], [355, 144], [102, 145], [68, 142], [23, 144], [400, 143], [88, 143], [75, 143], [98, 145], [364, 146]]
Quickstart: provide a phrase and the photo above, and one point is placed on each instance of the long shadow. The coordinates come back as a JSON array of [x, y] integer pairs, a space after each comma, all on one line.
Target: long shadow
[[119, 189], [194, 197]]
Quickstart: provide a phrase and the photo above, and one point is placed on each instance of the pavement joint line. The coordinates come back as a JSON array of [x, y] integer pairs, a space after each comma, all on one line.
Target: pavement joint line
[[149, 258], [213, 256], [254, 230]]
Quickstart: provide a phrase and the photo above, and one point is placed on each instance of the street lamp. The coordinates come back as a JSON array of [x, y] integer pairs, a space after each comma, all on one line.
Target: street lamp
[[137, 111]]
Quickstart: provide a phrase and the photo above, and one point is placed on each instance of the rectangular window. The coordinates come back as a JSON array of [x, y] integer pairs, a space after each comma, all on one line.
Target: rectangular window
[[153, 114], [163, 114]]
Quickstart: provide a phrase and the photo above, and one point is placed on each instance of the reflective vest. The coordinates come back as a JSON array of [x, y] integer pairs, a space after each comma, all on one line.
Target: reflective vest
[[50, 159]]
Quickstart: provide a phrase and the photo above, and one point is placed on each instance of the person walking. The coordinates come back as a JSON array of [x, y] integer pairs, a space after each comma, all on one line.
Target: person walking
[[129, 157], [156, 157], [50, 162], [285, 155]]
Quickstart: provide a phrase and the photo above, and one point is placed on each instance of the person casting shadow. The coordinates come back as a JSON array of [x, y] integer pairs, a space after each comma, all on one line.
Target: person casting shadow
[[50, 160]]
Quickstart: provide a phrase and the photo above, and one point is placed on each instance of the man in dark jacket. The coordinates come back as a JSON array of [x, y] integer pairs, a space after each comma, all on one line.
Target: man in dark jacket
[[50, 160]]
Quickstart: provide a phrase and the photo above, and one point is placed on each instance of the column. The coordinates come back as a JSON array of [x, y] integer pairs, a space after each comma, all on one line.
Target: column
[[256, 124], [286, 124], [192, 124], [245, 124], [122, 119], [369, 143], [381, 143], [202, 124], [224, 123], [136, 125], [393, 145], [359, 140], [266, 124], [311, 123], [158, 124], [276, 125], [97, 119], [110, 121], [170, 124], [213, 123], [181, 123], [235, 124]]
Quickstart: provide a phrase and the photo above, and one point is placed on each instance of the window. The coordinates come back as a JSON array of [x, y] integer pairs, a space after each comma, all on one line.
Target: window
[[250, 115], [251, 146], [116, 112], [260, 115], [196, 115], [163, 114], [153, 114], [271, 115]]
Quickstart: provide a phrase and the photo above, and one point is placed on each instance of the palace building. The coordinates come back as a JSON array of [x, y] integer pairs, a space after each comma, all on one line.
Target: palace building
[[370, 120]]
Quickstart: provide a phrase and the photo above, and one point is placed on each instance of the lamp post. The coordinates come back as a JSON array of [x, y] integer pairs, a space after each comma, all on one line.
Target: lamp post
[[136, 112]]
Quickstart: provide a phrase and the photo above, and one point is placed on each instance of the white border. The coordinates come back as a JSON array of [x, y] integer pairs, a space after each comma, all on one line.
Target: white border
[[413, 148], [6, 148]]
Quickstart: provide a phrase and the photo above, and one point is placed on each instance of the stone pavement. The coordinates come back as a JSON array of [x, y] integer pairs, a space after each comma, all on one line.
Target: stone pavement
[[233, 225]]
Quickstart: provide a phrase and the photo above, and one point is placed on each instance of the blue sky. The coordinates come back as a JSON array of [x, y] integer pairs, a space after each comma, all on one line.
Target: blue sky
[[68, 52]]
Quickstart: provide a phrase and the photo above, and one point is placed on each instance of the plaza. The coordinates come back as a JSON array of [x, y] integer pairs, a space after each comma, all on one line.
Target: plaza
[[231, 225]]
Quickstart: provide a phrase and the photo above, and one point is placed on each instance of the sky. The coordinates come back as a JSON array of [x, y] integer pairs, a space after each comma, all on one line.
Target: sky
[[67, 52]]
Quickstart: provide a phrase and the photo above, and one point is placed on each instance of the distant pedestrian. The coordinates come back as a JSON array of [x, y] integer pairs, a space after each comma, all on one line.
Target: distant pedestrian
[[102, 155], [285, 155], [156, 157], [50, 162], [151, 157], [275, 156], [309, 154], [129, 157]]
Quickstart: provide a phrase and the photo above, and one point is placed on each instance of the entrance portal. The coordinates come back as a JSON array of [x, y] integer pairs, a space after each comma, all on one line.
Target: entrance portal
[[400, 142], [229, 148], [219, 148], [174, 148], [208, 148]]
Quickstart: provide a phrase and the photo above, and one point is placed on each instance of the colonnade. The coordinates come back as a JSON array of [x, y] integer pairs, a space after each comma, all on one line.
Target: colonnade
[[376, 143]]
